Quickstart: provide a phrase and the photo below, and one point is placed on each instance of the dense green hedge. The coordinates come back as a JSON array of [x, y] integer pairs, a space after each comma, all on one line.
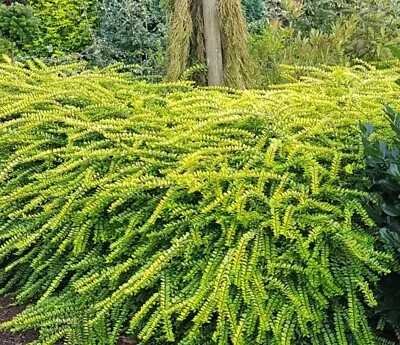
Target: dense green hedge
[[188, 215], [65, 26]]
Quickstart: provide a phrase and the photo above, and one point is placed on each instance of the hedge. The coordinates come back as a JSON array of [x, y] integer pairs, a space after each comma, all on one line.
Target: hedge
[[188, 215], [65, 26]]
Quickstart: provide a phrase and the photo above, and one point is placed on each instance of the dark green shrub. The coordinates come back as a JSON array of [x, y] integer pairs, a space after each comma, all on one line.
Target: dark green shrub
[[383, 182], [305, 15], [383, 170], [9, 2], [254, 10], [132, 32], [18, 26], [321, 14]]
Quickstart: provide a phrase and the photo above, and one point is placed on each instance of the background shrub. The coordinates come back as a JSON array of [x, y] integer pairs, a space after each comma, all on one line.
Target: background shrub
[[305, 15], [321, 14], [188, 214], [293, 34], [267, 45], [272, 45], [377, 27], [134, 32], [66, 26], [130, 32], [18, 26], [254, 10]]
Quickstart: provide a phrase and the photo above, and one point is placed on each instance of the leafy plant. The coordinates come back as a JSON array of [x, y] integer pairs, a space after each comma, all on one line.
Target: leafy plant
[[286, 11], [267, 44], [188, 215], [318, 47], [130, 32], [274, 44], [383, 171], [377, 27], [18, 26], [254, 10], [383, 163], [305, 15], [321, 14], [326, 32], [66, 26]]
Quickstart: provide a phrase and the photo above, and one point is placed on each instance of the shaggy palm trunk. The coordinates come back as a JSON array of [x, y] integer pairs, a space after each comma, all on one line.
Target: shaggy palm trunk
[[199, 31], [212, 37]]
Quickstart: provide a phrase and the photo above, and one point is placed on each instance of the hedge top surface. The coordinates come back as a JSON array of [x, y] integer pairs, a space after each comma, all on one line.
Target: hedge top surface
[[160, 208]]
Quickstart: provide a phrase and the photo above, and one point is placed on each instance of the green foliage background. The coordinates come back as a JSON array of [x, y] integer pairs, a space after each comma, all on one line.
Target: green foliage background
[[186, 214], [322, 14], [254, 10], [65, 26], [363, 29], [18, 26], [318, 32], [130, 32]]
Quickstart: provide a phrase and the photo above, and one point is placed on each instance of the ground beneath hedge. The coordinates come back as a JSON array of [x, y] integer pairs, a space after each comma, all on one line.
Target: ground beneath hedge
[[7, 312]]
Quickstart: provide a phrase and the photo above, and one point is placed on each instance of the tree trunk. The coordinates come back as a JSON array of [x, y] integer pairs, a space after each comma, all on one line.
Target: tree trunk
[[212, 36]]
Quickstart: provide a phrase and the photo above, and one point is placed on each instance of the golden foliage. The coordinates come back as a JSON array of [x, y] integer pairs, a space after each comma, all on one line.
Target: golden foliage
[[161, 207]]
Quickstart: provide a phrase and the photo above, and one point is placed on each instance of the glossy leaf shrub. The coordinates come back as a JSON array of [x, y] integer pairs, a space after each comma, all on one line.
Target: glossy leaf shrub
[[188, 215], [383, 163], [383, 183], [130, 32]]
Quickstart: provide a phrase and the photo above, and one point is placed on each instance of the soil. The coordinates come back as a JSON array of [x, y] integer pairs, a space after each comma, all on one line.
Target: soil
[[7, 312]]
